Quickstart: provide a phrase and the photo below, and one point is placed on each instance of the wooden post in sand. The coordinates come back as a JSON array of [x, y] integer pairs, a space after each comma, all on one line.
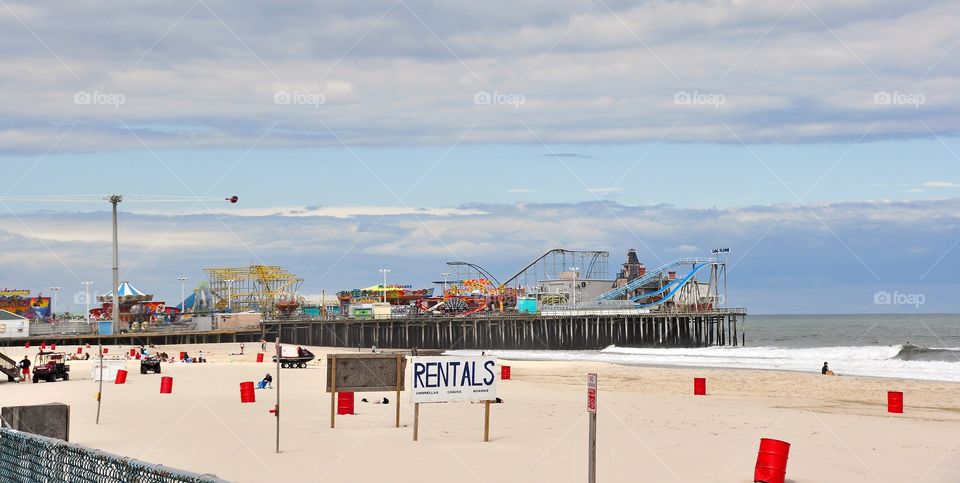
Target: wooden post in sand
[[333, 390], [592, 444], [276, 407], [398, 389], [416, 420], [486, 421]]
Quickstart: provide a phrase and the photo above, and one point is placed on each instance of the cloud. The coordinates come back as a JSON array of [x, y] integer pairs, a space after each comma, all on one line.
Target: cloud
[[521, 190], [940, 184], [406, 74], [776, 251]]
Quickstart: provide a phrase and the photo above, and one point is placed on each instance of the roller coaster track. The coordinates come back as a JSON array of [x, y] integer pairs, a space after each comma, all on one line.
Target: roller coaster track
[[483, 271], [651, 276], [594, 258]]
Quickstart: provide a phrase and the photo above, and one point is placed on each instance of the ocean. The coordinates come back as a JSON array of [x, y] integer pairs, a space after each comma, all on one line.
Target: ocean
[[914, 346]]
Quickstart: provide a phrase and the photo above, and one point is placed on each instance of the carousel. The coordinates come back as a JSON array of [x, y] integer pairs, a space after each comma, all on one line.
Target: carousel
[[138, 310]]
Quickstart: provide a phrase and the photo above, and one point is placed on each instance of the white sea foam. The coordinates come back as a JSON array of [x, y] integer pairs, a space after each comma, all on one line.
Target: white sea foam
[[881, 361]]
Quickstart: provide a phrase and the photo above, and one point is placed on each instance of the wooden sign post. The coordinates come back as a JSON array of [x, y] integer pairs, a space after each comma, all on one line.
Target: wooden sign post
[[592, 444], [364, 373], [451, 379]]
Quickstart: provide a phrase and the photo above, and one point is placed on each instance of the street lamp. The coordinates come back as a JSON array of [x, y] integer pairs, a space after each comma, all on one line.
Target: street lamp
[[229, 294], [183, 301], [576, 276], [53, 309], [384, 271], [87, 298], [445, 275]]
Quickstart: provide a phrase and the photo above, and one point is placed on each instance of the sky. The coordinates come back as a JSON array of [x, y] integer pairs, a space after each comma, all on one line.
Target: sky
[[818, 141]]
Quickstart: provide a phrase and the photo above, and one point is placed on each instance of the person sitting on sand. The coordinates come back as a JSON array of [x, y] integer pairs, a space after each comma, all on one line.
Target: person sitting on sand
[[825, 370], [266, 382]]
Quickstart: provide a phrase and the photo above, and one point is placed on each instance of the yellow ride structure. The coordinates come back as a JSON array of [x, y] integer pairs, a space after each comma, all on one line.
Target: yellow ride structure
[[255, 288]]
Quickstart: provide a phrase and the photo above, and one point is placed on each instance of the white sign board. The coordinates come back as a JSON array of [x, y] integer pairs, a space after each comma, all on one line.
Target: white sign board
[[453, 378], [110, 368]]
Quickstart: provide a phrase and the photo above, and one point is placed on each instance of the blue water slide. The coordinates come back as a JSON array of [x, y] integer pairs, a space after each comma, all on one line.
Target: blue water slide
[[658, 292], [677, 286], [650, 276]]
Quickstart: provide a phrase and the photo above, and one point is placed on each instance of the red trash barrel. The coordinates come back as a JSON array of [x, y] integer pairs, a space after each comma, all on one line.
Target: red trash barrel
[[166, 385], [504, 372], [121, 377], [79, 350], [106, 349], [699, 386], [260, 357], [894, 402], [344, 403], [26, 345], [183, 355], [771, 461], [133, 352], [53, 347], [43, 345], [246, 393]]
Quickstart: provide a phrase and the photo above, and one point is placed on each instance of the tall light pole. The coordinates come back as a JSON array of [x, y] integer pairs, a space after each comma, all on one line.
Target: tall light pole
[[183, 301], [576, 277], [87, 298], [445, 275], [114, 200], [384, 271], [53, 309], [229, 295]]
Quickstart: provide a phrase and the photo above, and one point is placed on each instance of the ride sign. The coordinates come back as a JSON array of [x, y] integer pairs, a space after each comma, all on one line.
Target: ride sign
[[592, 393], [453, 378]]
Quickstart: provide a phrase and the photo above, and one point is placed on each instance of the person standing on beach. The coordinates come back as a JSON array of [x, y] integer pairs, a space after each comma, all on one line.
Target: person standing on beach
[[241, 348], [25, 368]]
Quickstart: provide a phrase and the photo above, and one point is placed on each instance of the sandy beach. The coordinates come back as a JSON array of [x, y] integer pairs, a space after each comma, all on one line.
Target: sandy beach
[[650, 426]]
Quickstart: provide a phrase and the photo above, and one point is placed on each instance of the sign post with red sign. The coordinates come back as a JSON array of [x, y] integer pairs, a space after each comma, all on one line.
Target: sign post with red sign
[[592, 445]]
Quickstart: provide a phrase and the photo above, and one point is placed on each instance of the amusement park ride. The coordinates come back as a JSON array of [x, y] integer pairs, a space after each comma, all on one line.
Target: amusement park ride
[[556, 280], [107, 328]]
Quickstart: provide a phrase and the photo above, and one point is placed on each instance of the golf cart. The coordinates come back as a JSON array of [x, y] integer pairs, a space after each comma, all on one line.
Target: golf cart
[[50, 366], [150, 364]]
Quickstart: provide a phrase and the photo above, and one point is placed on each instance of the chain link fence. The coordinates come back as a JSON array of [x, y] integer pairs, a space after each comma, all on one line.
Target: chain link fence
[[31, 458]]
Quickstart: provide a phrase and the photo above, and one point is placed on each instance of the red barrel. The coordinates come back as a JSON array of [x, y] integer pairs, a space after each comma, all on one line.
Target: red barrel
[[79, 350], [138, 356], [166, 385], [260, 357], [771, 461], [43, 345], [504, 372], [344, 403], [183, 355], [26, 345], [133, 352], [246, 393], [121, 377], [699, 386], [53, 347], [106, 349], [894, 402]]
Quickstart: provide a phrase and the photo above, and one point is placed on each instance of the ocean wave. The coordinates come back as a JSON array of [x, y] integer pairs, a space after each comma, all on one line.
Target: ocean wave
[[910, 352], [896, 361]]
